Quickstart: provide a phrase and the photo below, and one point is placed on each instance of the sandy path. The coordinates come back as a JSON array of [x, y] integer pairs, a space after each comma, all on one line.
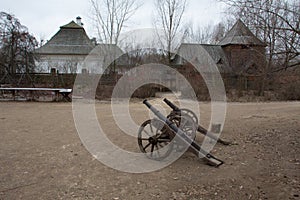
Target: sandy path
[[41, 156]]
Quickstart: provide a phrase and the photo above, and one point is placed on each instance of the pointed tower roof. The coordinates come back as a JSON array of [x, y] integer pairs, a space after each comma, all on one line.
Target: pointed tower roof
[[240, 34]]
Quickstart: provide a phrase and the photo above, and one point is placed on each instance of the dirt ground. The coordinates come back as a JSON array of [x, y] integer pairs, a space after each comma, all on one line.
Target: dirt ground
[[41, 156]]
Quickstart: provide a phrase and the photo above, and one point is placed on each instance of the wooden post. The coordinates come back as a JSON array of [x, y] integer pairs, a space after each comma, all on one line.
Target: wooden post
[[14, 94]]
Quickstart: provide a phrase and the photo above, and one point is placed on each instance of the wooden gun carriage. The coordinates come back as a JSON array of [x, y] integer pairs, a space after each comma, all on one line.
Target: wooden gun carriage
[[160, 136]]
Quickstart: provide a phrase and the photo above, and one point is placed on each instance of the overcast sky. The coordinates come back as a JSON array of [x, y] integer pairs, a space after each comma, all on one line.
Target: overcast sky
[[44, 17]]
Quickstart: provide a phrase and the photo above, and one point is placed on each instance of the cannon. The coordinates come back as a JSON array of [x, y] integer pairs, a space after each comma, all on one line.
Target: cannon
[[155, 137], [186, 112]]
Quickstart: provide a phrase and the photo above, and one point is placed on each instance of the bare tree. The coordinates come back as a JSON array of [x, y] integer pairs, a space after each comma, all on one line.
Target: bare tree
[[200, 35], [209, 34], [16, 47], [218, 33], [170, 14], [110, 17], [288, 48]]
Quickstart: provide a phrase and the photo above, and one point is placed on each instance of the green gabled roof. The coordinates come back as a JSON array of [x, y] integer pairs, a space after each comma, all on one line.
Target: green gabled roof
[[241, 35]]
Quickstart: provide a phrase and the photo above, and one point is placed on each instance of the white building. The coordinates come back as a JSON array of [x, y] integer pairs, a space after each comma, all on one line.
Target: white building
[[67, 50]]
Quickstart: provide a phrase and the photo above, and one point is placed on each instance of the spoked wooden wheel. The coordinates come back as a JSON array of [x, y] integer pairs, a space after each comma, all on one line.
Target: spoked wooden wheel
[[187, 125], [186, 112], [154, 139]]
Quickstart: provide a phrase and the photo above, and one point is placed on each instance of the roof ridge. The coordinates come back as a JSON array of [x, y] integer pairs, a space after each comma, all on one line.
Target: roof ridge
[[72, 24]]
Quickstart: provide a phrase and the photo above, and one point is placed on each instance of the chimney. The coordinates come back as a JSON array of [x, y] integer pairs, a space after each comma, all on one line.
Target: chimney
[[78, 21], [94, 41]]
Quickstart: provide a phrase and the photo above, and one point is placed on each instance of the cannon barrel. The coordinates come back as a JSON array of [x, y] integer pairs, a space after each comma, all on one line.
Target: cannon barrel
[[169, 103], [184, 138], [199, 127]]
